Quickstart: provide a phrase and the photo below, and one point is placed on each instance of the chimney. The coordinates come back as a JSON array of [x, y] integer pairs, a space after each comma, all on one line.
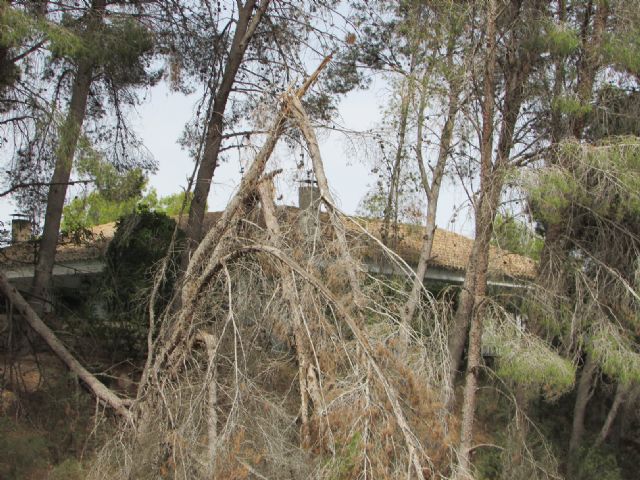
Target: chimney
[[20, 228], [308, 195]]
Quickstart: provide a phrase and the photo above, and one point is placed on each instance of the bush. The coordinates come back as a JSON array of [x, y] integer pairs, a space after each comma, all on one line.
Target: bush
[[141, 241], [22, 451], [598, 464]]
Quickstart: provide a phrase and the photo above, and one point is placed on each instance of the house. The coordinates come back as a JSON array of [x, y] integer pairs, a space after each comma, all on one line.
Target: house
[[77, 262]]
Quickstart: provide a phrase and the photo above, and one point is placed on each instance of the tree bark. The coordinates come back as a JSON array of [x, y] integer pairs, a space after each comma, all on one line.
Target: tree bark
[[475, 337], [391, 207], [585, 390], [432, 189], [618, 400], [248, 21], [68, 140], [28, 313], [518, 68]]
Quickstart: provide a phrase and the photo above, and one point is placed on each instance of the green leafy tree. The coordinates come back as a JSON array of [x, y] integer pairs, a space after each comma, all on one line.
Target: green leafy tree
[[141, 240], [515, 236], [114, 58], [113, 195]]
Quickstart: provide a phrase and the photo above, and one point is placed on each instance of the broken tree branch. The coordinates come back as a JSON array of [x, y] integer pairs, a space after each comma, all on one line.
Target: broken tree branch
[[96, 386]]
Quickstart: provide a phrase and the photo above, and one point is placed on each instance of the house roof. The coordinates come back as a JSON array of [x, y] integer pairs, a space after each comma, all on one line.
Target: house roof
[[450, 250]]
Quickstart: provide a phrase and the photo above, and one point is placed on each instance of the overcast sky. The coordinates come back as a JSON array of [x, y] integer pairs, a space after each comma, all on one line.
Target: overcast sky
[[163, 115]]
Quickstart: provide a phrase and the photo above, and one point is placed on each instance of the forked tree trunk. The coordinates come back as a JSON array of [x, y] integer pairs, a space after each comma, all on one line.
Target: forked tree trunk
[[432, 190], [519, 65], [249, 18], [482, 214]]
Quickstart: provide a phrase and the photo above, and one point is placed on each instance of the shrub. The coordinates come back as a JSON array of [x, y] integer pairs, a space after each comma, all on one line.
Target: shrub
[[141, 241]]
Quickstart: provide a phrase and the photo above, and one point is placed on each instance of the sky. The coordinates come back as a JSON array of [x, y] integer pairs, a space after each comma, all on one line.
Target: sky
[[161, 118]]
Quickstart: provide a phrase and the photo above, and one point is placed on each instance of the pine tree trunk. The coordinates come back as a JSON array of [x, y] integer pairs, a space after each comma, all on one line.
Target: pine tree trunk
[[585, 390], [476, 265], [248, 21], [432, 190], [618, 400], [68, 140], [519, 64]]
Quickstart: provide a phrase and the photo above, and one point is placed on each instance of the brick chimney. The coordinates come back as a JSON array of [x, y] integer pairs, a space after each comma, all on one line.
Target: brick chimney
[[21, 228], [308, 195]]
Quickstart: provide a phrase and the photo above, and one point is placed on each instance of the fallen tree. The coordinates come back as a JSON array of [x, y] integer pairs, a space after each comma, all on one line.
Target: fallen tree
[[276, 357], [96, 387]]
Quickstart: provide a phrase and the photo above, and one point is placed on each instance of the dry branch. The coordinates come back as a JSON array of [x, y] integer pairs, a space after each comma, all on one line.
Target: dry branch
[[318, 167], [208, 250], [97, 388], [307, 372], [415, 449]]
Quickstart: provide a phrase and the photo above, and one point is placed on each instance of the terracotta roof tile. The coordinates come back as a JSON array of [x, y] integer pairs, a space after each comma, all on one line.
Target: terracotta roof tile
[[450, 250]]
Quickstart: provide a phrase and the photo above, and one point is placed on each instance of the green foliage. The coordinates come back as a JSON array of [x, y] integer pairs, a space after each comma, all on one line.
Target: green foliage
[[141, 240], [527, 360], [488, 464], [170, 204], [69, 469], [560, 40], [597, 464], [513, 235], [622, 50], [615, 354], [602, 178], [343, 464], [120, 50], [116, 193], [21, 451], [18, 26], [570, 106], [552, 193]]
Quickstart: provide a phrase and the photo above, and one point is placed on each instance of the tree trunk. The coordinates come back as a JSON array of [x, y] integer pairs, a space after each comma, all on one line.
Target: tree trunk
[[619, 398], [475, 336], [68, 140], [585, 390], [518, 68], [432, 192], [391, 207], [99, 390], [248, 21]]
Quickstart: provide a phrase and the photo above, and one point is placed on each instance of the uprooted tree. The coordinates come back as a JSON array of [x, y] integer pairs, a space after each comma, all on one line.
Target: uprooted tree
[[274, 349]]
